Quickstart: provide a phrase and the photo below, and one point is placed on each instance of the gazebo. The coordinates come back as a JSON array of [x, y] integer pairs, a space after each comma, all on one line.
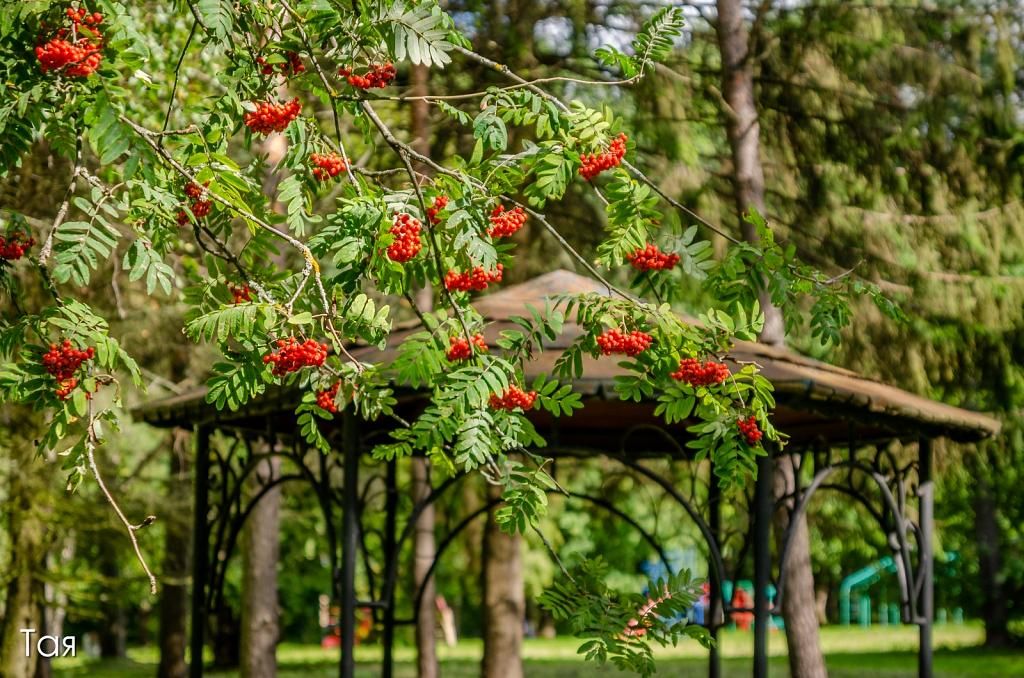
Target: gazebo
[[841, 428]]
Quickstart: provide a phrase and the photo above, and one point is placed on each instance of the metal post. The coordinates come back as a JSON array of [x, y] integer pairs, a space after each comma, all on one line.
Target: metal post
[[390, 564], [925, 491], [762, 562], [349, 541], [714, 611], [200, 549]]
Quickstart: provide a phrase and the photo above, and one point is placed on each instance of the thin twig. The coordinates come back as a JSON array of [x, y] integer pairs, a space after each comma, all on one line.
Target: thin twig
[[62, 212], [91, 442], [572, 250], [553, 553], [177, 72]]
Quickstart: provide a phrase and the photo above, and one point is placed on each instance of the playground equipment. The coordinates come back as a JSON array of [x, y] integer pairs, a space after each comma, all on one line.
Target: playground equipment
[[862, 579], [856, 585]]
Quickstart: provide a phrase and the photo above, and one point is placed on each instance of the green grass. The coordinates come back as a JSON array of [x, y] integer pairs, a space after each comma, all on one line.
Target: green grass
[[851, 653]]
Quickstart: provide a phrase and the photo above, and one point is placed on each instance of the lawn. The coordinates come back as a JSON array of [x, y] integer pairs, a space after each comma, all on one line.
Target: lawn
[[851, 653]]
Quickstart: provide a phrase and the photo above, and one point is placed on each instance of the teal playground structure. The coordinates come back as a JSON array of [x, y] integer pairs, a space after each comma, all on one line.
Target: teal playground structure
[[855, 590], [859, 582]]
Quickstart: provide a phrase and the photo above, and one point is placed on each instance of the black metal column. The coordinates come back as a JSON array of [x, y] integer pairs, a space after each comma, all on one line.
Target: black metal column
[[390, 567], [200, 549], [925, 493], [714, 611], [762, 562], [349, 541]]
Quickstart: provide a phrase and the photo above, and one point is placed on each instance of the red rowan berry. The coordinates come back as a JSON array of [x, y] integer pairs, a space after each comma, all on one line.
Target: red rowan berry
[[325, 399], [505, 223], [14, 245], [379, 76], [460, 348], [440, 202], [616, 341], [65, 387], [513, 397], [194, 190], [291, 356], [80, 58], [77, 59], [328, 165], [478, 279], [201, 208], [748, 427], [592, 164], [650, 258], [62, 361], [697, 373], [272, 116], [407, 238], [240, 294]]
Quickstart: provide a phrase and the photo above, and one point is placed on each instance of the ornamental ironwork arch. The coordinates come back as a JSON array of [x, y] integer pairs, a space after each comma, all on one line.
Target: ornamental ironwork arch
[[226, 496]]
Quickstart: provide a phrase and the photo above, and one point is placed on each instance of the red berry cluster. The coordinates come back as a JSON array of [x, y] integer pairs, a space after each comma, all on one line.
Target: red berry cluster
[[14, 245], [379, 76], [748, 427], [506, 222], [512, 398], [325, 399], [460, 348], [407, 238], [478, 279], [592, 164], [628, 343], [292, 356], [62, 362], [440, 202], [80, 58], [200, 206], [293, 66], [328, 165], [651, 258], [697, 373], [271, 116], [240, 294], [82, 16]]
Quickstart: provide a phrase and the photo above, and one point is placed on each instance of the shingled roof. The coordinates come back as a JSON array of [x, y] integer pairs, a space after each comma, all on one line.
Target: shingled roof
[[818, 403]]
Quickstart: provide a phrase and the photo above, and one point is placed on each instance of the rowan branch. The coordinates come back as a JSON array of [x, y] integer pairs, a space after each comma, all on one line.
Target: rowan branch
[[307, 254], [91, 442]]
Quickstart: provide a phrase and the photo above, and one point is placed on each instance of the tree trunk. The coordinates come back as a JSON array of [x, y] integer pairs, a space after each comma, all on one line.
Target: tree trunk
[[260, 553], [799, 607], [177, 539], [994, 612], [425, 551], [743, 131], [504, 603], [113, 631], [25, 507]]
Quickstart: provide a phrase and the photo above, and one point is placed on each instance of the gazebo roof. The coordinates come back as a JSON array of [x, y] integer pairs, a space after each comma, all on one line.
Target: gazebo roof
[[817, 402]]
